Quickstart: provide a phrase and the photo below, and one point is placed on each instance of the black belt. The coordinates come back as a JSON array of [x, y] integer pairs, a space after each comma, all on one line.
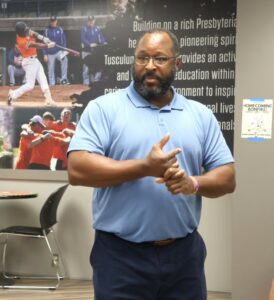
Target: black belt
[[162, 243], [158, 243]]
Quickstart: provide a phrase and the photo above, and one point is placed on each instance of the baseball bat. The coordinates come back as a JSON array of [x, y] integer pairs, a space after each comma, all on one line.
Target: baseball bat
[[69, 50], [41, 37]]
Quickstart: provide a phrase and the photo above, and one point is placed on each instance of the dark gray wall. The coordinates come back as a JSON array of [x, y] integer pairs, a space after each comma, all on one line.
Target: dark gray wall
[[253, 206]]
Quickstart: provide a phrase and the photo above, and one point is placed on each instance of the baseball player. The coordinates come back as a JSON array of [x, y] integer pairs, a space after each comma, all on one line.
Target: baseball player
[[24, 152], [67, 127], [42, 144], [27, 45]]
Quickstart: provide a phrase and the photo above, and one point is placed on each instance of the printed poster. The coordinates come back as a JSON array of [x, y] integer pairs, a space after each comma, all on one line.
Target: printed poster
[[257, 118]]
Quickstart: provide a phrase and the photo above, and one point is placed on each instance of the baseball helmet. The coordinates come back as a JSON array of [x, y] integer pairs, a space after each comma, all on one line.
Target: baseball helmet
[[21, 28]]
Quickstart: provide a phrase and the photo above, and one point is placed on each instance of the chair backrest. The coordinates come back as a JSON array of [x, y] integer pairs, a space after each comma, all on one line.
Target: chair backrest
[[49, 210]]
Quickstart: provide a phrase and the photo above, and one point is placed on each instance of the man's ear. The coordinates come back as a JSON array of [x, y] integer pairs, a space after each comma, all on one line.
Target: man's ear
[[178, 63]]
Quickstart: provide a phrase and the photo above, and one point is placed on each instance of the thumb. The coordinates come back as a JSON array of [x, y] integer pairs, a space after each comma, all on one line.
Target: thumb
[[164, 140], [159, 180]]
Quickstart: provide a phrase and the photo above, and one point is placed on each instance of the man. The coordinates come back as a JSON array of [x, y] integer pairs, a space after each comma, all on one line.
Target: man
[[42, 144], [48, 119], [26, 44], [66, 127], [62, 128], [56, 34], [24, 152], [147, 202], [91, 38], [15, 69]]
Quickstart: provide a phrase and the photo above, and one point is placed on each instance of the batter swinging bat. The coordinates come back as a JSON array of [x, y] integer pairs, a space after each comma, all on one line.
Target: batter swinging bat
[[42, 38]]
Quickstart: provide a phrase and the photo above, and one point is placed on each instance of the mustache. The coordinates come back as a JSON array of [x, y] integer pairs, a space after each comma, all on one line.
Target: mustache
[[150, 75]]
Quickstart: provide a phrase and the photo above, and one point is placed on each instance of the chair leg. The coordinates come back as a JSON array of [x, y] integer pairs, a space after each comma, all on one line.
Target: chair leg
[[60, 258], [54, 264], [4, 260]]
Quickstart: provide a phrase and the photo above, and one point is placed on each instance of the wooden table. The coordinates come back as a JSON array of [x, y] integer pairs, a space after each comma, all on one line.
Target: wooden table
[[6, 195]]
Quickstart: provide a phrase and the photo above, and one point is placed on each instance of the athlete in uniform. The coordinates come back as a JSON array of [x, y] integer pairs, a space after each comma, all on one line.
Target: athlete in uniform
[[66, 127], [42, 144], [24, 153], [27, 45]]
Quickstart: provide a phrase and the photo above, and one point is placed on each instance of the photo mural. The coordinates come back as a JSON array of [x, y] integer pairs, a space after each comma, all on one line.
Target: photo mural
[[79, 50]]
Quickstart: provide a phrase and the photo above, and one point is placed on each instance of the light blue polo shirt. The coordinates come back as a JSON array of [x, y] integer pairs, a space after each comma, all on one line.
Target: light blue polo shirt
[[123, 125]]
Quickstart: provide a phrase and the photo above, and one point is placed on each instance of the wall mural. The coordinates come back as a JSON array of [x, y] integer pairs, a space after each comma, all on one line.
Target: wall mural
[[42, 98]]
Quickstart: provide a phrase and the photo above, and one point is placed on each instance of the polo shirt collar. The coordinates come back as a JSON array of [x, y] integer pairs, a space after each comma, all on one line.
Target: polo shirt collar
[[140, 102]]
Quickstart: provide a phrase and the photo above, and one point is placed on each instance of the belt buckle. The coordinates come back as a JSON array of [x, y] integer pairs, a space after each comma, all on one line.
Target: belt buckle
[[163, 242]]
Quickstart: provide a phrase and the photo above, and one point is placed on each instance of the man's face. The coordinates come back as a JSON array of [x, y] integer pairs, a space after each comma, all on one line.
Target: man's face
[[151, 80], [36, 127], [53, 24], [91, 23], [66, 116], [27, 32], [48, 122]]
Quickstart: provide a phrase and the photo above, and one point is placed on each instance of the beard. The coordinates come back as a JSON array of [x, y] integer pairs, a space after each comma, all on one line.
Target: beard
[[155, 91]]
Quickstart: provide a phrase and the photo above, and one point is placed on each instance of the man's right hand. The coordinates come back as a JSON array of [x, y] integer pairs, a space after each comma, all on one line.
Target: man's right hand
[[46, 59], [47, 136], [157, 161], [46, 40], [51, 44]]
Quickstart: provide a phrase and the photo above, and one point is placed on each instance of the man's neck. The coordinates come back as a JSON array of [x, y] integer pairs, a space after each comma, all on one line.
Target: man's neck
[[163, 100]]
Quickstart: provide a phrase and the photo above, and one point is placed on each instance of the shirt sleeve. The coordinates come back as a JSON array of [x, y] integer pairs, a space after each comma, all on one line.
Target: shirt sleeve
[[101, 38], [45, 50], [11, 57], [215, 152], [92, 132], [63, 38], [84, 40]]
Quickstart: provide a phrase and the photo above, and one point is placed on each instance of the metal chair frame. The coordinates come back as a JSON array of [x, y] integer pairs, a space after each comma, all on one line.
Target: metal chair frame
[[47, 220]]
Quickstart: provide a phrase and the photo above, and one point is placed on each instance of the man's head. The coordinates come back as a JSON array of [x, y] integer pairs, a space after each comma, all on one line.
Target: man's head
[[21, 29], [53, 21], [155, 64], [91, 21], [48, 119], [66, 115], [37, 124]]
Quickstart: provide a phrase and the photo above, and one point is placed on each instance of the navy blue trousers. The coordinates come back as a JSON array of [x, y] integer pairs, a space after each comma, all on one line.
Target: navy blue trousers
[[123, 270]]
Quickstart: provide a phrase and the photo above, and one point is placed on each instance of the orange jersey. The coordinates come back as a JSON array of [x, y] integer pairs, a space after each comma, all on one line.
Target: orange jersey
[[59, 126], [24, 154], [23, 46], [60, 152], [42, 153]]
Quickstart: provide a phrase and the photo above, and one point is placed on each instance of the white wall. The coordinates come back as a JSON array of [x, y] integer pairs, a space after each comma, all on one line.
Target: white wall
[[253, 203], [216, 227], [76, 236]]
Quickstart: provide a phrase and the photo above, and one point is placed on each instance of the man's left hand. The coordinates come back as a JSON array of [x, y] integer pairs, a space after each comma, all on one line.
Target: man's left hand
[[177, 181]]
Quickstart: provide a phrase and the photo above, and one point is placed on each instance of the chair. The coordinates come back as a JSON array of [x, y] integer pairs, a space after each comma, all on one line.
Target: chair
[[47, 220]]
